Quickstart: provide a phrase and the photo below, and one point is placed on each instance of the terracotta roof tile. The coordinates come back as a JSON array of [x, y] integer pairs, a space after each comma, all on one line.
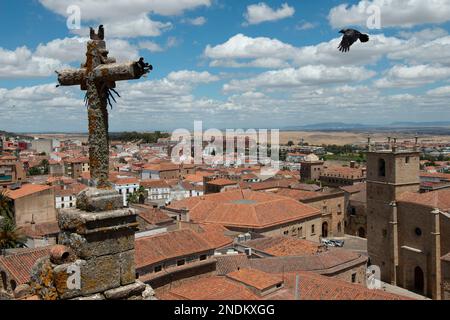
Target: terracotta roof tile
[[272, 184], [150, 184], [357, 187], [318, 287], [19, 265], [165, 166], [158, 248], [435, 199], [284, 246], [223, 182], [26, 190], [255, 278], [312, 287], [210, 288], [214, 234], [230, 263], [298, 195], [154, 216], [321, 262], [245, 208]]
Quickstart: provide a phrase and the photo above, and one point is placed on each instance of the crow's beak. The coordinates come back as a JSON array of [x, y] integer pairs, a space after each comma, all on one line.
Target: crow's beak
[[342, 31]]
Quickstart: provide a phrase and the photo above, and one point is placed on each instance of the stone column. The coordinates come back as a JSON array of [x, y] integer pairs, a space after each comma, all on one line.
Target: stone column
[[97, 115], [394, 235], [436, 253]]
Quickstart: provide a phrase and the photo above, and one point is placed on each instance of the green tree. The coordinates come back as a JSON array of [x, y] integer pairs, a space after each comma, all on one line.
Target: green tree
[[10, 236], [138, 197], [34, 171], [45, 166]]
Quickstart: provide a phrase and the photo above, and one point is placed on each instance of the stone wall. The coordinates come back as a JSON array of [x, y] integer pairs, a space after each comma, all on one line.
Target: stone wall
[[38, 207]]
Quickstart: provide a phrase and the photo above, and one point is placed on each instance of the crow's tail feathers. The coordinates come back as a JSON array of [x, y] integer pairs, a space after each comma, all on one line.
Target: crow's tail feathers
[[364, 38]]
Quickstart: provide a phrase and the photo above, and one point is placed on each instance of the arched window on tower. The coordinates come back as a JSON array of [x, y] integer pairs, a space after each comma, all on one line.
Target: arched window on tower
[[382, 168]]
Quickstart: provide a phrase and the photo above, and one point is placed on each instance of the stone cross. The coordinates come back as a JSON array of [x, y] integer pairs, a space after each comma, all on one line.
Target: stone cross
[[98, 77]]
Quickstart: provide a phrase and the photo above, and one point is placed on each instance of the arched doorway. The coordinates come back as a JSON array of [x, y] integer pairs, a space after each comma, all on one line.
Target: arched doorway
[[419, 280], [361, 232], [325, 230]]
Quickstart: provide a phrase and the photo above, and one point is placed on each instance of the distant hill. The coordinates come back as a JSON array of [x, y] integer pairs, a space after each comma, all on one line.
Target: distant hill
[[330, 126], [422, 124], [340, 126], [13, 135]]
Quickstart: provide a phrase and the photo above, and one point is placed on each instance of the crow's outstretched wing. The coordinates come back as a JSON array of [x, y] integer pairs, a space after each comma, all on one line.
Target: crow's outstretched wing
[[347, 42]]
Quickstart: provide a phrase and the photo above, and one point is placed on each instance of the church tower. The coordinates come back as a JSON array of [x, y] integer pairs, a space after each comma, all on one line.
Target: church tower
[[390, 173]]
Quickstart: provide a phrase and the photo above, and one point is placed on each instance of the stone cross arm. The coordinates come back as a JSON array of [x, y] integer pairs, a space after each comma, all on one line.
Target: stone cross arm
[[110, 73]]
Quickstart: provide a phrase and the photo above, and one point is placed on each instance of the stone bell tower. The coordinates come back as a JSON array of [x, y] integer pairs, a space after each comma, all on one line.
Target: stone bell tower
[[390, 173]]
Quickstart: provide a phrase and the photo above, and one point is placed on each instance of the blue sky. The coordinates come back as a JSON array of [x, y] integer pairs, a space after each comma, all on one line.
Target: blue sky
[[231, 64]]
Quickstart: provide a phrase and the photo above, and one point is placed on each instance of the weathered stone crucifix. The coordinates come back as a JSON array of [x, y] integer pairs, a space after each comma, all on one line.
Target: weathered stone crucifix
[[98, 77]]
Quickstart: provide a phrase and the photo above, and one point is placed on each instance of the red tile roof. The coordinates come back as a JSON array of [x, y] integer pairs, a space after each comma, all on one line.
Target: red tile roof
[[255, 278], [229, 263], [298, 195], [150, 184], [26, 190], [357, 187], [210, 288], [318, 287], [272, 184], [437, 175], [124, 181], [222, 182], [284, 246], [245, 208], [312, 287], [154, 216], [170, 245], [439, 199], [19, 265], [166, 166], [214, 235]]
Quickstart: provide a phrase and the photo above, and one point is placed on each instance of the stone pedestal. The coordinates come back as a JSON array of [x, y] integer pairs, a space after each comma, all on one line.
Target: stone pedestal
[[99, 263]]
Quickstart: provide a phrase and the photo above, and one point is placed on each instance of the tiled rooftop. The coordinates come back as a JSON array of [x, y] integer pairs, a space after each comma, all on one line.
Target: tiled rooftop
[[245, 208], [19, 265], [170, 245], [26, 190], [255, 278]]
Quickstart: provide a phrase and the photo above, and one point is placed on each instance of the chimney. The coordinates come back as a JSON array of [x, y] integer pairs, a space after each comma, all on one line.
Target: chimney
[[187, 216]]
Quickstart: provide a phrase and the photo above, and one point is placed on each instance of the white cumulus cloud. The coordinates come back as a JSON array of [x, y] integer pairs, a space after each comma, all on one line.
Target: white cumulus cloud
[[261, 12]]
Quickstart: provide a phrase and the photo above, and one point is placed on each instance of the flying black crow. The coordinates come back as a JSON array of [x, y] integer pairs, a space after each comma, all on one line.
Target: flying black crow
[[350, 37]]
